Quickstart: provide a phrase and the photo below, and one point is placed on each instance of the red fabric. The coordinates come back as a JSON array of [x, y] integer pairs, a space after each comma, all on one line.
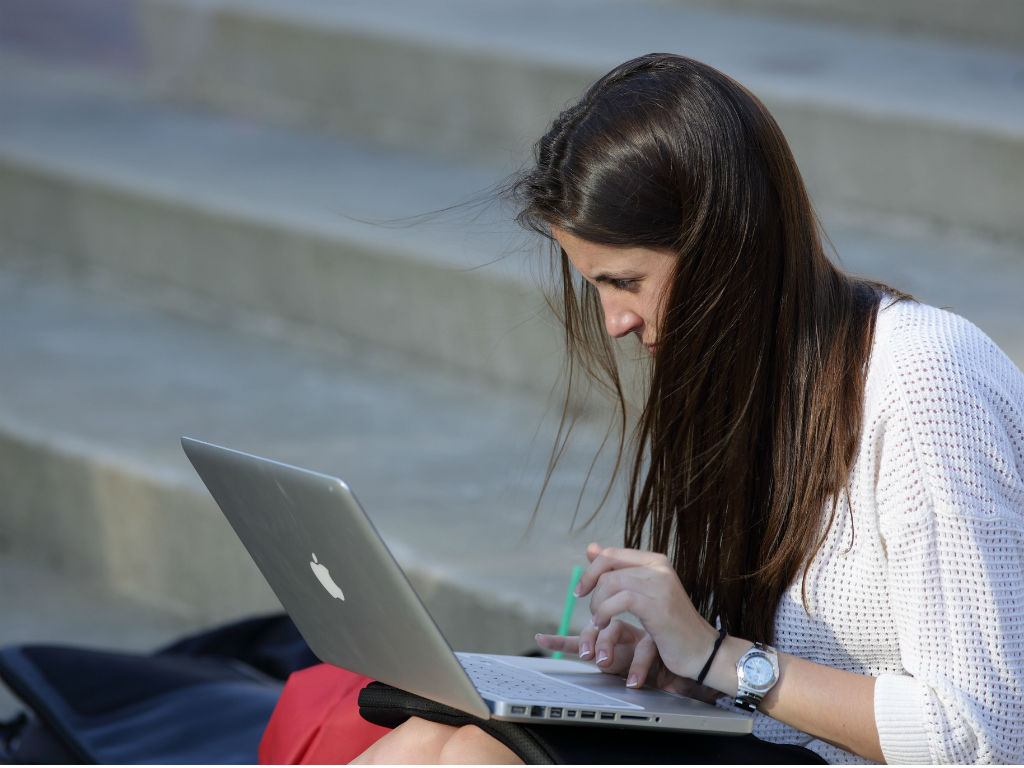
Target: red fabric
[[316, 720]]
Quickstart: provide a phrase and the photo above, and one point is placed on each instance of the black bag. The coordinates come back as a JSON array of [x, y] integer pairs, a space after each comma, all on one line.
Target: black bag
[[577, 744], [205, 699]]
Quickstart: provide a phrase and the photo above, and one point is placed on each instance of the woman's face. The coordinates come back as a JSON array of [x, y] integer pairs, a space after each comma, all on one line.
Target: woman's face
[[631, 281]]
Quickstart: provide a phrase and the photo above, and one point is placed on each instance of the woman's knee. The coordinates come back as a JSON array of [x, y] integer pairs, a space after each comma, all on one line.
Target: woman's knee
[[416, 741], [470, 745]]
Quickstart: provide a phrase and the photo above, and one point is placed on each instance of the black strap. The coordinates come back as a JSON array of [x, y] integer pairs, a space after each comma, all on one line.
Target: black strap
[[711, 658], [390, 707], [583, 744]]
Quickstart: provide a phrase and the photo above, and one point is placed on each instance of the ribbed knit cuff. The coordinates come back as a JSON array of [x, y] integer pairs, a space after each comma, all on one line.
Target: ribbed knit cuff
[[899, 701]]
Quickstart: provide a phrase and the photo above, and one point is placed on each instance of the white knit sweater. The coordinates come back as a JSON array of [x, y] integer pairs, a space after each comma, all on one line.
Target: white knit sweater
[[921, 581]]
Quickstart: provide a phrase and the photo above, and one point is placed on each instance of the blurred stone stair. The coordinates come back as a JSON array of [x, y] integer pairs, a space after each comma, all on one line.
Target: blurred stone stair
[[982, 22], [203, 231], [260, 219], [908, 125]]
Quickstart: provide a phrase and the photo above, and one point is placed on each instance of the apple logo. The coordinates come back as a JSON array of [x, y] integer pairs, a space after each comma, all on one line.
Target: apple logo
[[324, 575]]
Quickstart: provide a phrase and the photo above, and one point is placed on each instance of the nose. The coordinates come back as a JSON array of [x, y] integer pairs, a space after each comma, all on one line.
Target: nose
[[620, 321]]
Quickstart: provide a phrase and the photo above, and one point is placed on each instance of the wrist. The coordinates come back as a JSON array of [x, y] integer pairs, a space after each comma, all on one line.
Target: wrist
[[722, 673]]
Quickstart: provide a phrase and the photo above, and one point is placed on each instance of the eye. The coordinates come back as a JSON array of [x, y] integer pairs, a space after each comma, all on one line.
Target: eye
[[625, 284]]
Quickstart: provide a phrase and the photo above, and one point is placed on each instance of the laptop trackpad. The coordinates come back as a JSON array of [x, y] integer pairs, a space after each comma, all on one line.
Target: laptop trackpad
[[646, 698]]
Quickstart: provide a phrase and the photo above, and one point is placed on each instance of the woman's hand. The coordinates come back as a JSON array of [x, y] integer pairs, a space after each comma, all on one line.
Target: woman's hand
[[622, 660], [675, 640], [618, 646]]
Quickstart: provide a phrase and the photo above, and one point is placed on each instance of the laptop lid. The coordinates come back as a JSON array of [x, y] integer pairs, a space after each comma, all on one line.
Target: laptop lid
[[328, 566]]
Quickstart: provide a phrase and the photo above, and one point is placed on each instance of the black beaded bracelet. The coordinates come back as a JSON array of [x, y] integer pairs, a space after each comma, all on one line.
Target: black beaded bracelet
[[711, 658]]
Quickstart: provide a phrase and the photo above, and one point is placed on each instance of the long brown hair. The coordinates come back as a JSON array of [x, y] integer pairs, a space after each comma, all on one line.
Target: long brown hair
[[754, 402]]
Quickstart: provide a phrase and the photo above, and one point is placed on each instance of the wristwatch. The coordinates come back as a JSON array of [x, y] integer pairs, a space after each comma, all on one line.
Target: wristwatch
[[757, 672]]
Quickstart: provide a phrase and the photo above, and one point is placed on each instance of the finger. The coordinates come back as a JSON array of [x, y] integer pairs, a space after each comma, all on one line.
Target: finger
[[588, 579], [621, 602], [605, 642], [605, 559], [612, 649], [588, 639], [599, 564], [564, 643], [615, 581], [623, 556], [644, 656]]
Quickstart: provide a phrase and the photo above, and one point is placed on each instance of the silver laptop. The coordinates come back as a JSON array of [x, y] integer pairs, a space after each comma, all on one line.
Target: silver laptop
[[355, 607]]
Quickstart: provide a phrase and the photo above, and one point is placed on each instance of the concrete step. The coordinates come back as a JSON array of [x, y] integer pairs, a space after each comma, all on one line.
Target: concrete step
[[983, 22], [270, 221], [98, 386], [255, 219], [877, 120], [979, 279]]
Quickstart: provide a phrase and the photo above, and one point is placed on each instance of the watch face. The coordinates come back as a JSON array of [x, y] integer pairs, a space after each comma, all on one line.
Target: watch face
[[758, 671]]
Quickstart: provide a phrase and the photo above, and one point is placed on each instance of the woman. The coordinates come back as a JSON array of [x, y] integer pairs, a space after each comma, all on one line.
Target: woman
[[826, 465]]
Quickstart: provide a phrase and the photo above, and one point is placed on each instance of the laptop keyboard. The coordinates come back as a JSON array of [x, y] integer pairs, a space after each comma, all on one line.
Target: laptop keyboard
[[497, 680]]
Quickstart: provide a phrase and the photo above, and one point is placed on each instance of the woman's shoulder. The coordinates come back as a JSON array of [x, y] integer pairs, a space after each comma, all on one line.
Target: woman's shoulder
[[941, 390], [917, 344]]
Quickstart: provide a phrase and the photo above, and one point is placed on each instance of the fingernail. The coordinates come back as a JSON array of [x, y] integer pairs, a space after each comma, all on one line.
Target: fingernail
[[633, 682], [585, 651], [576, 590], [602, 658]]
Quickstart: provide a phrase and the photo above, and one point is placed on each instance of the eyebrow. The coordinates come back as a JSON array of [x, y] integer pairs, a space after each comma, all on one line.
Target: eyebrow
[[606, 277]]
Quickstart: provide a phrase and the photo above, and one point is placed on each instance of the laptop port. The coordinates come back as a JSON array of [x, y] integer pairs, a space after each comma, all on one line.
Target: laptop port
[[587, 715], [555, 712], [641, 718], [607, 715], [518, 710], [536, 711], [570, 713]]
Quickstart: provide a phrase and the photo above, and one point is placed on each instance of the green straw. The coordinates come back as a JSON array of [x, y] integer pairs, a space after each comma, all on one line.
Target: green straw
[[570, 603]]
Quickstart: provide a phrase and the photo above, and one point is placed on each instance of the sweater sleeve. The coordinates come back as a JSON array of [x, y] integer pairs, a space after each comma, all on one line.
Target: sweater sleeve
[[950, 494]]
